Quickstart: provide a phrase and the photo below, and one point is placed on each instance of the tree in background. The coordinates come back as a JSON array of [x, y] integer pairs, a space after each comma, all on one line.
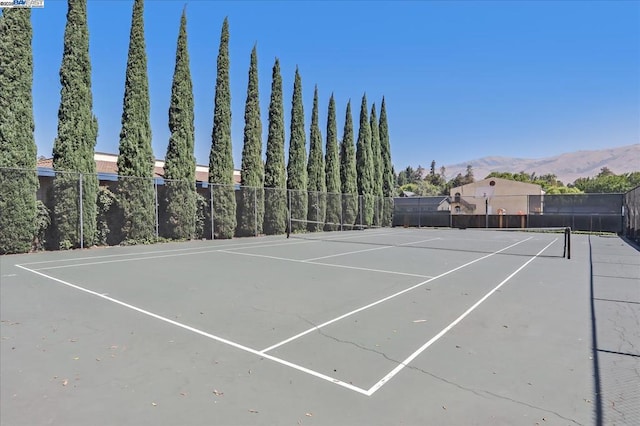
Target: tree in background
[[364, 165], [296, 170], [435, 178], [315, 172], [388, 174], [251, 210], [73, 148], [135, 160], [332, 171], [275, 181], [608, 182], [179, 201], [17, 144], [376, 159], [348, 172], [220, 158]]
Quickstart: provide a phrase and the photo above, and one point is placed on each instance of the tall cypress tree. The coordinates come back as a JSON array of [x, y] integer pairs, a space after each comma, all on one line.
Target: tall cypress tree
[[179, 201], [73, 149], [17, 144], [364, 165], [275, 181], [377, 167], [332, 170], [296, 170], [135, 160], [388, 178], [220, 158], [251, 211], [348, 172], [315, 172]]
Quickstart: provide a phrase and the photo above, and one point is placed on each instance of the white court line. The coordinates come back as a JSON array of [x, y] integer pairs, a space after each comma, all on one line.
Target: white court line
[[286, 259], [445, 330], [163, 256], [359, 234], [370, 249], [203, 333], [141, 253], [377, 302]]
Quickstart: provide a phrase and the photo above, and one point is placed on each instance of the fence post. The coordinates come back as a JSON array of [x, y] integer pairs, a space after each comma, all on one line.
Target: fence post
[[486, 212], [360, 203], [342, 204], [255, 210], [80, 212], [213, 236], [419, 213], [289, 212], [155, 190]]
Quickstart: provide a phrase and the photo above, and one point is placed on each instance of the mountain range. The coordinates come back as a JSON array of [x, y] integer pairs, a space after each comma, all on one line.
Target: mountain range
[[567, 167]]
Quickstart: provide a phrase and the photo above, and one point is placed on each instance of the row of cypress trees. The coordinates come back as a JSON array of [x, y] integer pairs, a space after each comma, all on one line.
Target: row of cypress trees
[[367, 172]]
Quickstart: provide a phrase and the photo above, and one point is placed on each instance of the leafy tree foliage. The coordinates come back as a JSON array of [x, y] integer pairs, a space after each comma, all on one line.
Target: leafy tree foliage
[[73, 149], [275, 214], [135, 161], [220, 158], [332, 170], [348, 172], [179, 203], [17, 144], [608, 182], [251, 211], [316, 173], [296, 170]]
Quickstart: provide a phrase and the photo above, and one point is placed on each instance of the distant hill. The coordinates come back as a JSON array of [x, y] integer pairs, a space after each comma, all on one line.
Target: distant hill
[[567, 167]]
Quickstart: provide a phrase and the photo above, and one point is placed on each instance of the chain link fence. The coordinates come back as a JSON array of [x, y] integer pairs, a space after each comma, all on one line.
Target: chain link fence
[[78, 210], [632, 214], [582, 212]]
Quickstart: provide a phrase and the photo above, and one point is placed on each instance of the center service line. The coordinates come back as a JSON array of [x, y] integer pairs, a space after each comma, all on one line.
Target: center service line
[[204, 333], [370, 249], [445, 330], [377, 302]]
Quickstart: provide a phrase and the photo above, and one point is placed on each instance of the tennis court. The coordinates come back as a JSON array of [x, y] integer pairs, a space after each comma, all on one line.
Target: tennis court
[[376, 327]]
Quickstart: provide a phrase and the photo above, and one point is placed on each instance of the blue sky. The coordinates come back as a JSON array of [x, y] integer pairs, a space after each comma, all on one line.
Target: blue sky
[[462, 80]]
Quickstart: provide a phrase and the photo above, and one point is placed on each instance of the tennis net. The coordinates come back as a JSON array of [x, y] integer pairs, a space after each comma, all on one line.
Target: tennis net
[[542, 242]]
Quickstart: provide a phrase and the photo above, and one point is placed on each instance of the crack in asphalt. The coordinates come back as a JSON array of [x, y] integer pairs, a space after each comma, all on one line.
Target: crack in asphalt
[[478, 392]]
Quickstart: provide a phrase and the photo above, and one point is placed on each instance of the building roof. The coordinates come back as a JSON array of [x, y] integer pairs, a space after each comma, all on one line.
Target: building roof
[[489, 184], [108, 164]]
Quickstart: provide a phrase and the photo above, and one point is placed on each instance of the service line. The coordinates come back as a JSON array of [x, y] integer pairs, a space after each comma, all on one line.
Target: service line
[[369, 249], [202, 333], [143, 252], [445, 330], [132, 259], [331, 265], [377, 302]]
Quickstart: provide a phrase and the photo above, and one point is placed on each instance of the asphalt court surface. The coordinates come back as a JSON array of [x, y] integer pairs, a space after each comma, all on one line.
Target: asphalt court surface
[[319, 324]]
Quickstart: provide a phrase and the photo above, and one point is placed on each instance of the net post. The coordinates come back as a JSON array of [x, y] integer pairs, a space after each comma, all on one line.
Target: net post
[[567, 243]]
